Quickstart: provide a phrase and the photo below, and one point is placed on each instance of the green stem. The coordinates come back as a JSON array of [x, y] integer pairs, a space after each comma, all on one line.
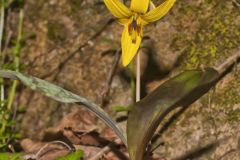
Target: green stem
[[11, 95], [16, 53], [133, 86]]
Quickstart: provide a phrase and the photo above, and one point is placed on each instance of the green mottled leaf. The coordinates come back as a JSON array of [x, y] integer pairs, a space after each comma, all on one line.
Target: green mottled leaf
[[146, 115], [11, 156], [72, 156], [59, 94]]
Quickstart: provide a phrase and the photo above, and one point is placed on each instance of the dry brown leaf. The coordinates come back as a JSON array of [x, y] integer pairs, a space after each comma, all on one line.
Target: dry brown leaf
[[89, 151], [30, 146], [108, 134], [79, 120]]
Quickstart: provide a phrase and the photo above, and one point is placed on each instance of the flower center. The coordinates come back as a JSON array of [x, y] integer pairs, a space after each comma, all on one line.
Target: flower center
[[135, 27]]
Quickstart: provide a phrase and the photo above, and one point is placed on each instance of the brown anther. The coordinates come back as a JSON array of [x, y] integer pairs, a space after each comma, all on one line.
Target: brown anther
[[138, 30], [134, 28], [130, 29]]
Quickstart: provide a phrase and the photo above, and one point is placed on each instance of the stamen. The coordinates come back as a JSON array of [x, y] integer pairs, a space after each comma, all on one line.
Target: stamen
[[130, 29], [138, 30], [134, 28]]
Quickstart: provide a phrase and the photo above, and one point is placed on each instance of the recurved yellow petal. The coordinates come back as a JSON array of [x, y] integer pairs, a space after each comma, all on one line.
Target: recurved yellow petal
[[151, 5], [118, 9], [129, 49], [139, 6], [159, 11], [124, 21]]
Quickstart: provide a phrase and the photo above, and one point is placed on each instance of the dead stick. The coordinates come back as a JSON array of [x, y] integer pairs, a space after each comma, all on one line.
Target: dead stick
[[105, 150], [228, 63], [110, 76], [227, 153], [39, 153], [79, 49]]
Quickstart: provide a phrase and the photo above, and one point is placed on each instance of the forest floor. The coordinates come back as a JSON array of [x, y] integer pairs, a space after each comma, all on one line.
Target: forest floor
[[73, 43]]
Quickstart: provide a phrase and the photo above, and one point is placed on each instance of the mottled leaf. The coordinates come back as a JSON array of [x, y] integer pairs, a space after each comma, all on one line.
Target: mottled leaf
[[146, 115], [59, 94]]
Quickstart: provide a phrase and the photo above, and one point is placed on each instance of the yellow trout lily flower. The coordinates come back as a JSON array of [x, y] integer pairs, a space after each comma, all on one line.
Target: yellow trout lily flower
[[133, 19]]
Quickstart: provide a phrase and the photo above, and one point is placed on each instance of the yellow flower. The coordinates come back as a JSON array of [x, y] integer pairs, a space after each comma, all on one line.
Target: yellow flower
[[133, 19]]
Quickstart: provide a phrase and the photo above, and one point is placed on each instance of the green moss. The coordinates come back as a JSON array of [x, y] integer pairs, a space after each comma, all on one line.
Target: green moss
[[208, 33], [216, 32], [233, 116]]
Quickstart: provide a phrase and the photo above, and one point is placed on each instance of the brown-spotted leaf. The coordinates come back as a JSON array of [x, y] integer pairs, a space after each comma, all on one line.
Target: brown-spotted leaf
[[59, 94], [146, 115]]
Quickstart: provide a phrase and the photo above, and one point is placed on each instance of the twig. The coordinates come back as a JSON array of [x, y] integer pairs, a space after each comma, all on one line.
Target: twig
[[111, 75], [9, 36], [80, 135], [33, 63], [38, 154], [227, 153], [229, 62], [72, 54], [105, 150]]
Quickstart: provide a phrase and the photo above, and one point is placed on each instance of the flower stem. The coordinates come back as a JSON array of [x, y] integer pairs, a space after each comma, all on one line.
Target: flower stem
[[133, 84], [138, 78]]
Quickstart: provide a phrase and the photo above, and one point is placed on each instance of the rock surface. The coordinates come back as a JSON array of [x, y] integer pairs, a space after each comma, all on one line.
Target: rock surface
[[70, 37]]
